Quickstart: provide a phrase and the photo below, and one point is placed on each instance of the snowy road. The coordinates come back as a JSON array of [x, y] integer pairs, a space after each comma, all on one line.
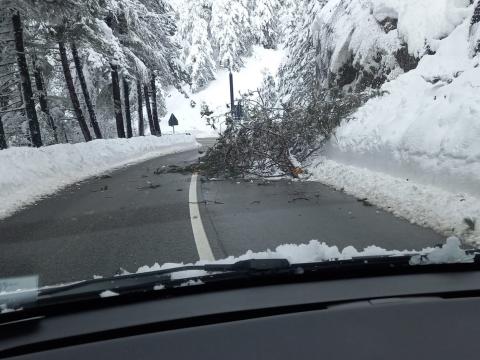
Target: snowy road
[[140, 215]]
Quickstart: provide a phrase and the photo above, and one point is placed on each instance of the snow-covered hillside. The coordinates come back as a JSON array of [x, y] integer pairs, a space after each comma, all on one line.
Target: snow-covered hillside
[[356, 44], [217, 96], [427, 128], [415, 150]]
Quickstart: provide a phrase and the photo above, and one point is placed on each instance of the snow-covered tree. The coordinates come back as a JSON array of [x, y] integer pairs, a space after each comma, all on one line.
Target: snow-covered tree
[[266, 25], [221, 33], [232, 37], [135, 36], [145, 29], [194, 31], [298, 75]]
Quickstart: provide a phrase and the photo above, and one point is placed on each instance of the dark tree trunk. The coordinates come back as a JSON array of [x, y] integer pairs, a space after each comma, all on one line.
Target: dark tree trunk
[[20, 93], [42, 93], [156, 123], [26, 82], [117, 101], [141, 125], [149, 110], [232, 95], [73, 92], [128, 114], [3, 139], [86, 94]]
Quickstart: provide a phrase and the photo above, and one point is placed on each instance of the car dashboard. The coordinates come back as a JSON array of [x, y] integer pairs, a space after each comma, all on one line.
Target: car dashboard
[[432, 316]]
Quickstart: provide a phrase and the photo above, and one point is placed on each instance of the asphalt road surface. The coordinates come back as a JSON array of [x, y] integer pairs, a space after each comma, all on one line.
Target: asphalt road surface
[[150, 213]]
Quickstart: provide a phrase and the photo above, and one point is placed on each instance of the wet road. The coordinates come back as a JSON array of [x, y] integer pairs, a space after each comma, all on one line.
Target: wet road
[[142, 214]]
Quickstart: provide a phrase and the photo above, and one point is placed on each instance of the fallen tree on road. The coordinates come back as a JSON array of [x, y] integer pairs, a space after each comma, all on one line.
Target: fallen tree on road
[[270, 141]]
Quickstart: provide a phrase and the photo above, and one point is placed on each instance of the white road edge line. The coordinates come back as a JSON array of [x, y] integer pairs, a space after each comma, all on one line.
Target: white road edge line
[[201, 241]]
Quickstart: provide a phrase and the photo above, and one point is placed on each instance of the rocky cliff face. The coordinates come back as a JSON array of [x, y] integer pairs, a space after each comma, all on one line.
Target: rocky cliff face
[[360, 44]]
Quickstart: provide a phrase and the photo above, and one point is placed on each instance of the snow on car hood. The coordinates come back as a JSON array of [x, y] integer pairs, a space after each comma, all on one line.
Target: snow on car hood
[[316, 251]]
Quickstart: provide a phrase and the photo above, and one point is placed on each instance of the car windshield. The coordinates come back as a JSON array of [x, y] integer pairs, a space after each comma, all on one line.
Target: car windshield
[[222, 138]]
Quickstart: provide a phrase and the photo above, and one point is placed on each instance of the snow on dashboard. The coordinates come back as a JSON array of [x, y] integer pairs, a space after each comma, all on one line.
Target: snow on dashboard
[[26, 174]]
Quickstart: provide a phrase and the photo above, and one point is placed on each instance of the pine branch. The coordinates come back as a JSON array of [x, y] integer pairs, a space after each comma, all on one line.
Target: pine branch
[[12, 110]]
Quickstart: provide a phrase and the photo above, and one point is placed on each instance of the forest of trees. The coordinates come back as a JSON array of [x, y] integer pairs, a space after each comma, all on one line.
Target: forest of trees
[[220, 33], [75, 70]]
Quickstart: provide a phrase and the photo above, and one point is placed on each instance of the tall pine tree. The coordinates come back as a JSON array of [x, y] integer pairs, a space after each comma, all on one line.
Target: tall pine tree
[[194, 31], [231, 32]]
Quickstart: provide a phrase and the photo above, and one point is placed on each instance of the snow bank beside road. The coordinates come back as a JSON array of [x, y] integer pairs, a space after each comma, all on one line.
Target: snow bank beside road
[[26, 174], [415, 151], [424, 205], [427, 127]]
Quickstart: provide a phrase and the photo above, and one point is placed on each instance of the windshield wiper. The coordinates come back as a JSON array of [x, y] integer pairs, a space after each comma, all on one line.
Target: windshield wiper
[[164, 277], [148, 281], [250, 272], [245, 269]]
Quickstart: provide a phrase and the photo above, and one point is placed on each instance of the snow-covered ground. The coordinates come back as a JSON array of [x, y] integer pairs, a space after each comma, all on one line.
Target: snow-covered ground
[[27, 174], [427, 127], [415, 151], [422, 204], [217, 94]]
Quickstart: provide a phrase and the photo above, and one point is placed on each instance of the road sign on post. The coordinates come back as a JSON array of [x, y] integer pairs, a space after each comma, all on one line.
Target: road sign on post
[[173, 122], [232, 98], [238, 113]]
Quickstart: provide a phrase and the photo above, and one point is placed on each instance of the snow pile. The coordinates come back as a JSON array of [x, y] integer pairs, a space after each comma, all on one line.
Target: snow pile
[[421, 23], [217, 94], [313, 252], [364, 43], [5, 309], [316, 251], [108, 293], [425, 205], [26, 174], [427, 127], [450, 253], [350, 35]]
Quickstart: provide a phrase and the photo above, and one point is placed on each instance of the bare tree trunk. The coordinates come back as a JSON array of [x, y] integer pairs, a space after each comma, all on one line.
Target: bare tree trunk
[[117, 101], [73, 92], [154, 106], [42, 91], [26, 82], [149, 110], [141, 125], [3, 139], [86, 94], [128, 114]]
